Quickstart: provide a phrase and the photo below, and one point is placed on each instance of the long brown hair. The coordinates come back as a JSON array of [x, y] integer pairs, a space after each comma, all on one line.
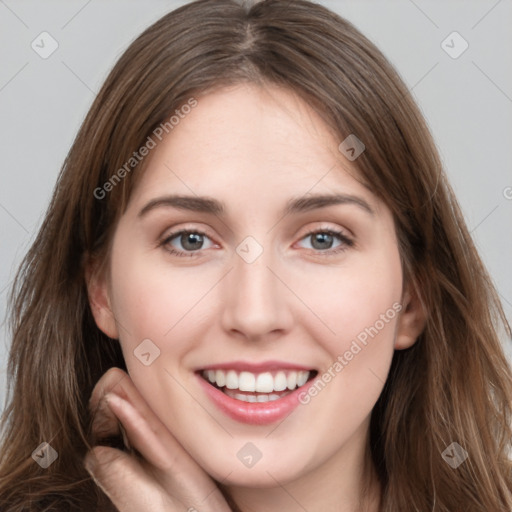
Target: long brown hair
[[453, 385]]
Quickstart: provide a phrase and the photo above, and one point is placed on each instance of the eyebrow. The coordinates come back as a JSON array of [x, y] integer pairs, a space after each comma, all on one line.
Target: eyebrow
[[215, 207]]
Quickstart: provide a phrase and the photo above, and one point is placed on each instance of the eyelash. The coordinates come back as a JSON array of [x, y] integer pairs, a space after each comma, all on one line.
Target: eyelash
[[346, 242]]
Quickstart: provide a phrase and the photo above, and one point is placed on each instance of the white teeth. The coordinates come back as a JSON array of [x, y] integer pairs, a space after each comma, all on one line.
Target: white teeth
[[252, 398], [302, 378], [265, 382], [220, 378], [280, 382], [292, 380], [232, 380], [246, 381]]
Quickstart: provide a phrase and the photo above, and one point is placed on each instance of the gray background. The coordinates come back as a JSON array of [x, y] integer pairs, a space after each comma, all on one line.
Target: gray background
[[467, 102]]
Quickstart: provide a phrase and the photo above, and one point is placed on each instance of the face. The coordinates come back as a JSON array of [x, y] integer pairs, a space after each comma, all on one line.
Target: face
[[262, 285]]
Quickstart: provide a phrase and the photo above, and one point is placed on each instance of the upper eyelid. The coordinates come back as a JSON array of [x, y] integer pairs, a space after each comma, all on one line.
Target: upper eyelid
[[174, 233], [338, 231]]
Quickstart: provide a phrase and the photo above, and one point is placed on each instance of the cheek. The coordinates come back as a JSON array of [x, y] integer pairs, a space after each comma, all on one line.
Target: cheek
[[156, 301], [360, 307], [356, 300]]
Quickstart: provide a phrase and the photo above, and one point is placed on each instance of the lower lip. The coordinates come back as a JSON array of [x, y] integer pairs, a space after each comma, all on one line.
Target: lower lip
[[254, 413]]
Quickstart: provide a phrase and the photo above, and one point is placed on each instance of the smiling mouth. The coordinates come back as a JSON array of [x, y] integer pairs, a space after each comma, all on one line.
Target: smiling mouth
[[257, 387]]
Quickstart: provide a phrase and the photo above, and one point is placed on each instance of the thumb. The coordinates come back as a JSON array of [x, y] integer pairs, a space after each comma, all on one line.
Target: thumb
[[126, 483]]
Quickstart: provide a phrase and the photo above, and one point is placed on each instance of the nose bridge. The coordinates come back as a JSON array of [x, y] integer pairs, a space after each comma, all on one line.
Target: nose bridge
[[255, 300]]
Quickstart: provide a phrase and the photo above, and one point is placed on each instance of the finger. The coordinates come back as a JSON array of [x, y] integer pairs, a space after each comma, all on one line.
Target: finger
[[142, 426], [175, 468], [119, 382], [125, 482], [177, 471], [151, 438], [105, 423], [108, 382]]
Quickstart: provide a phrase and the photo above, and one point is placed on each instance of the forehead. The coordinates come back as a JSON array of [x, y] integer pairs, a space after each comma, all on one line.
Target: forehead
[[248, 142]]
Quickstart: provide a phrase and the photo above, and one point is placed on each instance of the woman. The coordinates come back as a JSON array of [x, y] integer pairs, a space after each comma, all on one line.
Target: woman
[[170, 285]]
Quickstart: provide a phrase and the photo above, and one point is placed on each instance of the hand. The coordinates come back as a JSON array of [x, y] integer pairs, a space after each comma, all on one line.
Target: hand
[[162, 476]]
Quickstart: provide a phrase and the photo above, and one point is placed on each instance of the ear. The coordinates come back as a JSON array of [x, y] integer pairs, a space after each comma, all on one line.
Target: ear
[[99, 299], [412, 319]]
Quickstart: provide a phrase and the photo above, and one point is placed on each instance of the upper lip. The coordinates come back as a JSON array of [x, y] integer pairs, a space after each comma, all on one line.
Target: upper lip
[[254, 367]]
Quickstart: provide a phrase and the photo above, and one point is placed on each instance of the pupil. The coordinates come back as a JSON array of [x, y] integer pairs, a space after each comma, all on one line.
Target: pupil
[[192, 241], [322, 238]]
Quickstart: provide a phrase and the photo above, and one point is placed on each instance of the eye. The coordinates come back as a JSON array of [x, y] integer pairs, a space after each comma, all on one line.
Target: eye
[[190, 241], [322, 240]]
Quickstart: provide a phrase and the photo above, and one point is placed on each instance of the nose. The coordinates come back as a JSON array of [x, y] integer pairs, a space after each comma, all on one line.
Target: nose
[[255, 300]]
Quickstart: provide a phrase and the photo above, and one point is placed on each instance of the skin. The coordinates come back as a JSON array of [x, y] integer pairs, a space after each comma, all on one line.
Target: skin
[[252, 148]]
